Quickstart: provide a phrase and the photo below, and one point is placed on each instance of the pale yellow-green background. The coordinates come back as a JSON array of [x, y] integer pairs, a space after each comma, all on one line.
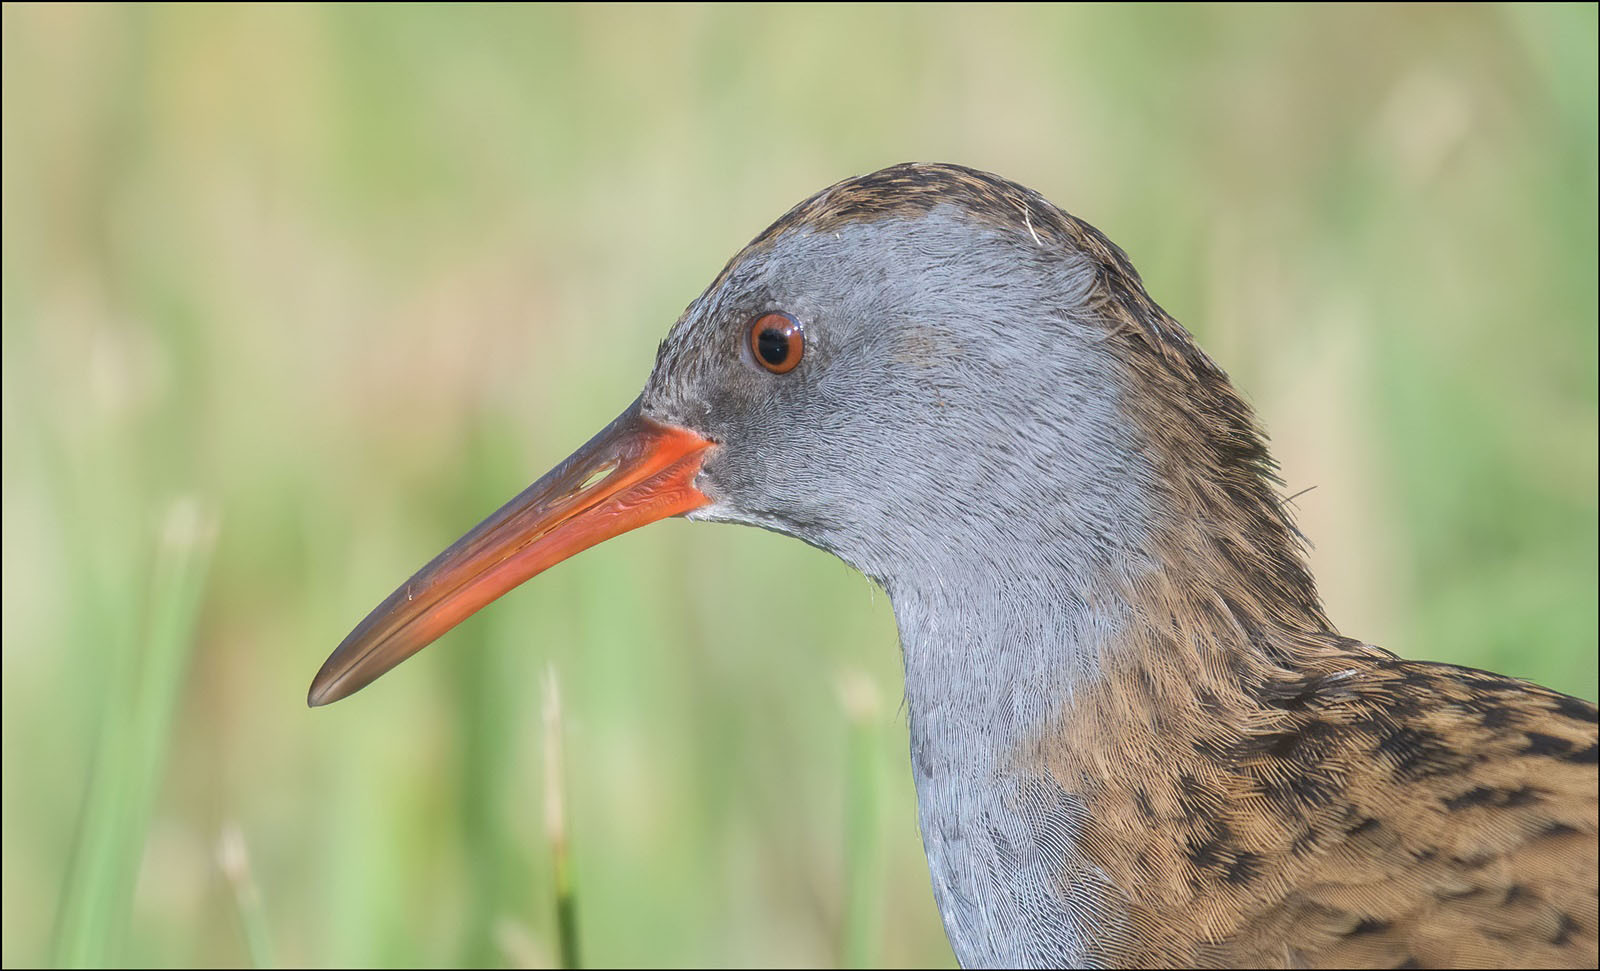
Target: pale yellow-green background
[[325, 286]]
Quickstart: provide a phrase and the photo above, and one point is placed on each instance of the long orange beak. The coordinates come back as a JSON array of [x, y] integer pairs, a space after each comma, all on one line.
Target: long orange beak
[[634, 472]]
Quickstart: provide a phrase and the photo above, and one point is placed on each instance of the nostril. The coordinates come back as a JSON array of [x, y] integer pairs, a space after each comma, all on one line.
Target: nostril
[[596, 477]]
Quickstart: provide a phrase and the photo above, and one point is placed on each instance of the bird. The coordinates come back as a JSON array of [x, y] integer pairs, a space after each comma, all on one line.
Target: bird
[[1137, 739]]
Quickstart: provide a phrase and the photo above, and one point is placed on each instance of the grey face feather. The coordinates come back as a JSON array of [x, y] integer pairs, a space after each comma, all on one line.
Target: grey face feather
[[943, 361], [954, 431]]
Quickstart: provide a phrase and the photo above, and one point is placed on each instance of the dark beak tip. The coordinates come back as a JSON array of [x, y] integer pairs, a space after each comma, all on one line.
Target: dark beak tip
[[324, 690]]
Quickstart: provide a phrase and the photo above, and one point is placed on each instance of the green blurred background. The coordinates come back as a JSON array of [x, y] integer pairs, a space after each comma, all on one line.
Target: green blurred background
[[295, 295]]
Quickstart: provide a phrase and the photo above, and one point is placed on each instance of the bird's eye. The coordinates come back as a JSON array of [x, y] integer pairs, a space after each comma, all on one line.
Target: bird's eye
[[777, 342]]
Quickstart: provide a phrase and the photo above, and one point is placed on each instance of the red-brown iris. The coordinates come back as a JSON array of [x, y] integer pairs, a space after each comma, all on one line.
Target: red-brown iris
[[777, 342]]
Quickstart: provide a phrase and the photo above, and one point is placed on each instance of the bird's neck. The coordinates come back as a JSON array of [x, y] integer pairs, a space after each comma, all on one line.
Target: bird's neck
[[1040, 700], [998, 666], [992, 667], [1051, 683]]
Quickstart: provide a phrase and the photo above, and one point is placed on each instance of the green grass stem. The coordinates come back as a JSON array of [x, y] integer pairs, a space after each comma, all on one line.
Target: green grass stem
[[555, 822], [141, 700], [233, 856]]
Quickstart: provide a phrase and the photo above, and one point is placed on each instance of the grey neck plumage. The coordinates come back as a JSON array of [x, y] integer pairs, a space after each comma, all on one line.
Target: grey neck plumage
[[1003, 620], [990, 667]]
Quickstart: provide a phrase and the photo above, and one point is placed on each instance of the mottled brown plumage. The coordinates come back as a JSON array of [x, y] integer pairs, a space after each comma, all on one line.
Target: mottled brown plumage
[[1311, 801], [1138, 741]]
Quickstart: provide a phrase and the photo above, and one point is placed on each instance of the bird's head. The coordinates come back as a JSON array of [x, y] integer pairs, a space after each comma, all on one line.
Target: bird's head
[[929, 371]]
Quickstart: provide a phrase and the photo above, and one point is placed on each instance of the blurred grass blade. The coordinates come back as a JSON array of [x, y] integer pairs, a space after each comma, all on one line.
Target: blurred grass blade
[[863, 913], [141, 700], [233, 856], [555, 825], [518, 947]]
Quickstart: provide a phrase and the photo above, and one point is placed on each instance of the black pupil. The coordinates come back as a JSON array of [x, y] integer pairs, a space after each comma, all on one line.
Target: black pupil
[[773, 346]]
